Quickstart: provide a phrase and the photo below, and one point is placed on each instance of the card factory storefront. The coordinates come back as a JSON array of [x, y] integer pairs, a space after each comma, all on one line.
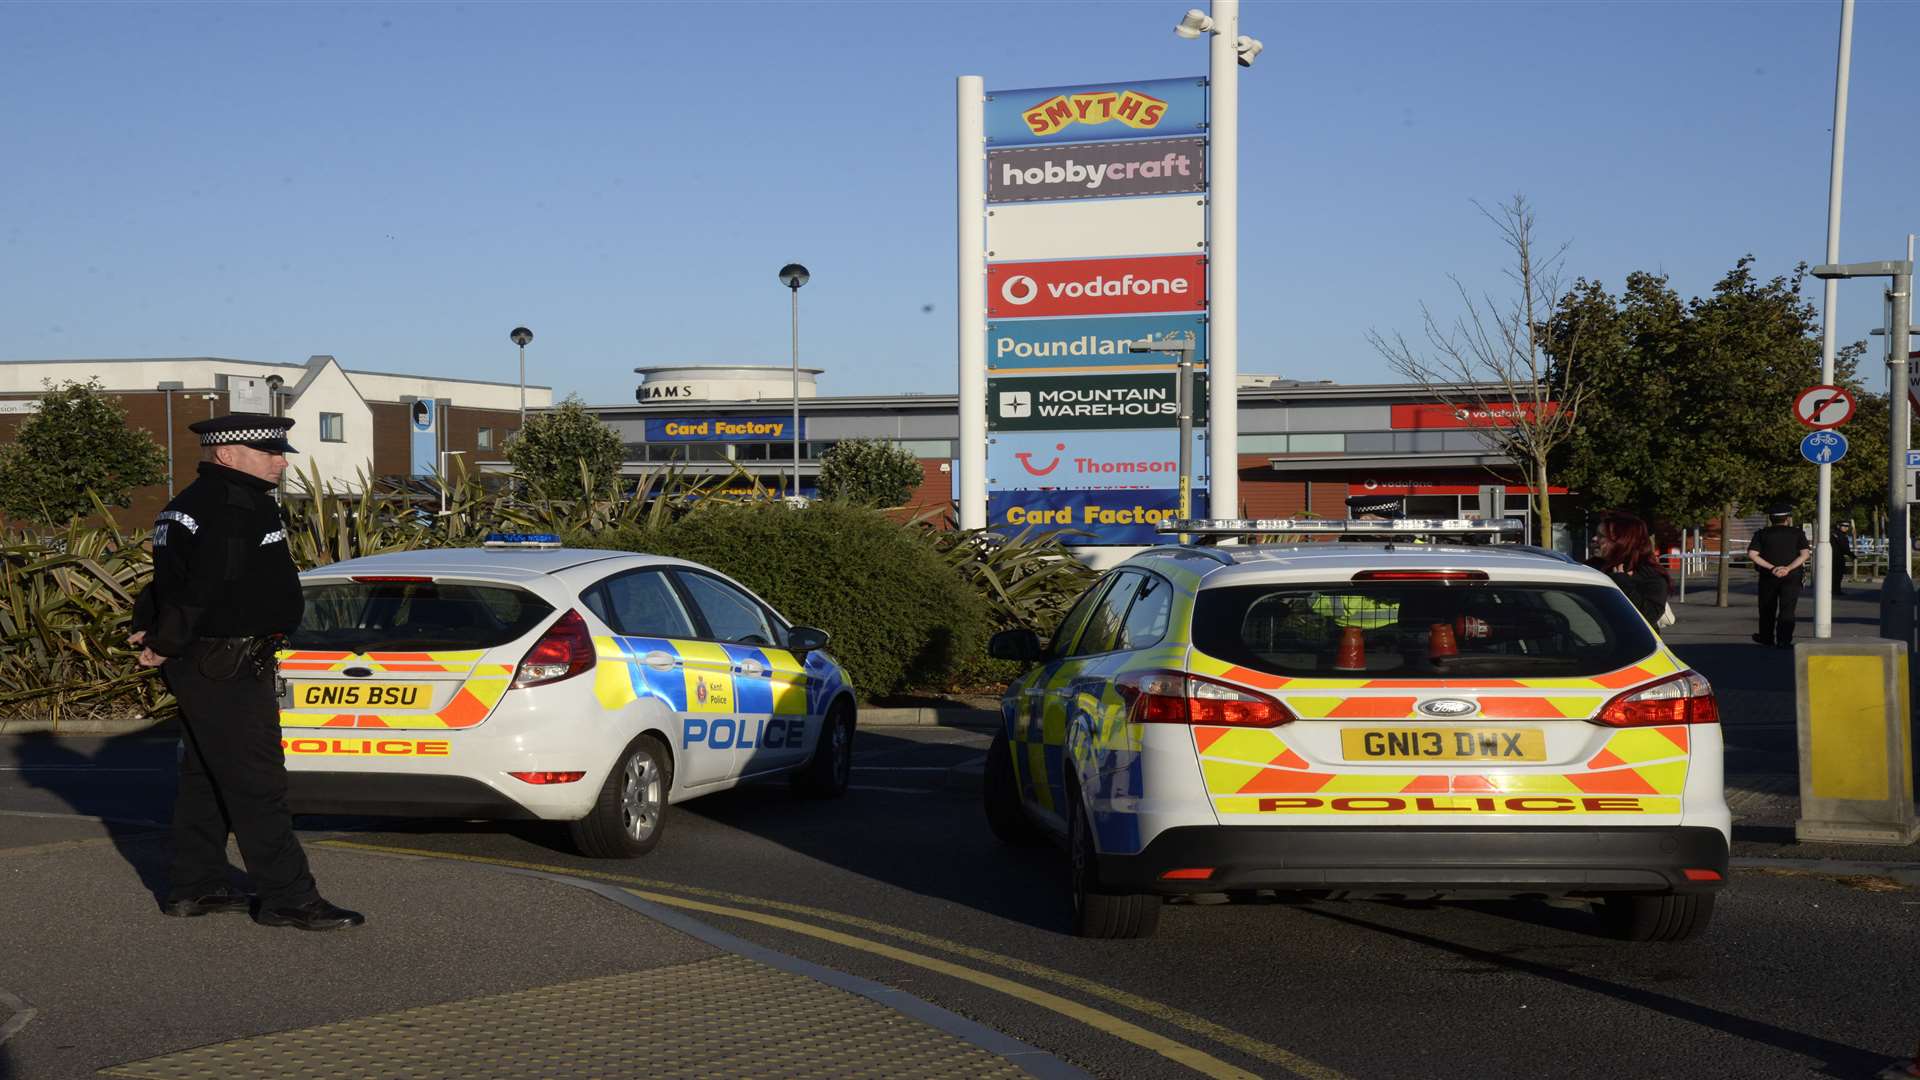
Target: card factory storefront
[[1304, 446]]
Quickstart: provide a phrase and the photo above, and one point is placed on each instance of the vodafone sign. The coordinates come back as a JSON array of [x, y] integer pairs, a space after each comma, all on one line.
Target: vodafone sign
[[1137, 286]]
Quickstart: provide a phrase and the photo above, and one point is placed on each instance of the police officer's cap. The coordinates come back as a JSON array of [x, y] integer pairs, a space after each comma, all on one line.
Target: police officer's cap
[[258, 430], [1780, 509], [1382, 505]]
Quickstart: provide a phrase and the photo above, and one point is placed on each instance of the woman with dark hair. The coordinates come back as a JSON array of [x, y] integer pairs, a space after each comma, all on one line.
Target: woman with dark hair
[[1623, 550]]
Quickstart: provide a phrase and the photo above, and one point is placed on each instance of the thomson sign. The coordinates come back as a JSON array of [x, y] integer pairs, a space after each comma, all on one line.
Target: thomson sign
[[1136, 286]]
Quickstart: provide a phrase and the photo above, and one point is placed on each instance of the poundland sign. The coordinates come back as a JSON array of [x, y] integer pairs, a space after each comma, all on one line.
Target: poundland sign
[[1096, 170], [1029, 403]]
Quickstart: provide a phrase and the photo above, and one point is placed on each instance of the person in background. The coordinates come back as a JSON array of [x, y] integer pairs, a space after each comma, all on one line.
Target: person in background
[[1778, 552], [1842, 540], [1623, 550]]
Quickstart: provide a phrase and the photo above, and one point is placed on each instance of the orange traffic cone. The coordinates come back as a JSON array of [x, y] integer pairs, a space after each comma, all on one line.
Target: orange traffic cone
[[1353, 651], [1440, 641]]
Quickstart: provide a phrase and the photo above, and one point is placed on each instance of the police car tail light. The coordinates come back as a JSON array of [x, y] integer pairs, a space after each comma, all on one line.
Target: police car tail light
[[1169, 697], [1686, 698], [1421, 575], [565, 650]]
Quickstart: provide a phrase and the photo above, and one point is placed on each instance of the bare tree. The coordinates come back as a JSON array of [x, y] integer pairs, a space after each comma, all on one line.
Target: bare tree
[[1493, 361]]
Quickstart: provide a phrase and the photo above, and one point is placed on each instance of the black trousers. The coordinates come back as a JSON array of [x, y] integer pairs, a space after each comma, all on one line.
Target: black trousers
[[233, 779], [1778, 599]]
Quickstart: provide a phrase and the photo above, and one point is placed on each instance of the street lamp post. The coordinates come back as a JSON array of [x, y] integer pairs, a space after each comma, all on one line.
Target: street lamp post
[[1228, 51], [444, 455], [793, 275], [1896, 594], [520, 336], [1823, 516], [1182, 348]]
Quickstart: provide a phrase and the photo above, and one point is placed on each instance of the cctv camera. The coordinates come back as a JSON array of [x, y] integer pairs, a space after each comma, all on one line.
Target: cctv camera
[[1197, 22], [1248, 48], [275, 382]]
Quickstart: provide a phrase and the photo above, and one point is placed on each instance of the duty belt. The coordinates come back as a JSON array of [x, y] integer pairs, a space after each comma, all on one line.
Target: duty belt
[[225, 658]]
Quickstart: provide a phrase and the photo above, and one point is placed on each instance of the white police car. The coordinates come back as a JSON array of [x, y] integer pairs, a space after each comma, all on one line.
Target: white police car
[[527, 680], [1342, 719]]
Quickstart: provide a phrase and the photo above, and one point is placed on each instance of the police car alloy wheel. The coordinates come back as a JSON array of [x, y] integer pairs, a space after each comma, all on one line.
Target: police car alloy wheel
[[831, 770], [630, 814]]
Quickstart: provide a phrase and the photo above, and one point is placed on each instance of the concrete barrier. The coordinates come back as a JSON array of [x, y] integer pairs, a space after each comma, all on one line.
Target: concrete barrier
[[1855, 717]]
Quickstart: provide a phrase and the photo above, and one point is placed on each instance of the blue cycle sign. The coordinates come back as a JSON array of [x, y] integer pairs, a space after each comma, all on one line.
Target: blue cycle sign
[[1824, 447]]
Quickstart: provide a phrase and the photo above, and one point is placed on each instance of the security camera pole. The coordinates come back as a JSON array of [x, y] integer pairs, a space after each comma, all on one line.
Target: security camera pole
[[1896, 595], [521, 335], [793, 275], [1227, 52], [1182, 348]]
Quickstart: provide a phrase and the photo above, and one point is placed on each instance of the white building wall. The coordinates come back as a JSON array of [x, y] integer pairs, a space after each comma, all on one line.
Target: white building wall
[[340, 464], [468, 395]]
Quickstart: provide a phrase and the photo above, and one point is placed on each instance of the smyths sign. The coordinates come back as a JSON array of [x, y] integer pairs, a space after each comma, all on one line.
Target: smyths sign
[[1097, 287]]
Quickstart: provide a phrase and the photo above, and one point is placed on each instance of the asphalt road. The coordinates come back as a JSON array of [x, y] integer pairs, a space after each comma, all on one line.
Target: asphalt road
[[900, 882]]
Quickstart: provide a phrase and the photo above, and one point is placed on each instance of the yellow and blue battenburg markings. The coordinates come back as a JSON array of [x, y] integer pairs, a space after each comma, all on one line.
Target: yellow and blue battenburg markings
[[715, 677]]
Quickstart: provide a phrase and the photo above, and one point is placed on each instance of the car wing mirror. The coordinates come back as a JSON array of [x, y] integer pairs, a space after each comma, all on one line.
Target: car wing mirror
[[1021, 645], [805, 639]]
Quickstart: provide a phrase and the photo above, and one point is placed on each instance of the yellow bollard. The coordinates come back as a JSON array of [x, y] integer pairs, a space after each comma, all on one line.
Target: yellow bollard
[[1856, 766]]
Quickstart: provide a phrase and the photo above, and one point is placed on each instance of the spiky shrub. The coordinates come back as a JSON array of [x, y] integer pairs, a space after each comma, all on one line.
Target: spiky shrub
[[1027, 580], [66, 599]]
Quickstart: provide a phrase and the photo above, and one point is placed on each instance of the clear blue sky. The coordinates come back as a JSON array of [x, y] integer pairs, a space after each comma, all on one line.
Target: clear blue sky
[[400, 185]]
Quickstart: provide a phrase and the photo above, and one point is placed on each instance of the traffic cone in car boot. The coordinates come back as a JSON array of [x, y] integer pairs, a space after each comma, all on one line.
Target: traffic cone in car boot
[[1440, 641], [1353, 651]]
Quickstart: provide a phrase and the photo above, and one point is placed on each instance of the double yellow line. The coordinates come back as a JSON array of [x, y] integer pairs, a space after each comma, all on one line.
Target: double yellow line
[[1189, 1056]]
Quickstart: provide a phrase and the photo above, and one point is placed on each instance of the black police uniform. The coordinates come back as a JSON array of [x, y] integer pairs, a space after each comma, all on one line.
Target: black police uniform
[[224, 590], [1779, 545]]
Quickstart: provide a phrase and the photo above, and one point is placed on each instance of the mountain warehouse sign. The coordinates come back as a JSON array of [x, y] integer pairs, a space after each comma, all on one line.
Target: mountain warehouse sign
[[1043, 403]]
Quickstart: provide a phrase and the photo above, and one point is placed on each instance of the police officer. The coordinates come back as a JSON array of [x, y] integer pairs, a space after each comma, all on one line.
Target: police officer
[[1778, 552], [224, 591]]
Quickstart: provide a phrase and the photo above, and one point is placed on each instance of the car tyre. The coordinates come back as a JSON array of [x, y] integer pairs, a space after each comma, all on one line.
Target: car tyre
[[1667, 917], [630, 814], [829, 772], [1098, 913], [1000, 794]]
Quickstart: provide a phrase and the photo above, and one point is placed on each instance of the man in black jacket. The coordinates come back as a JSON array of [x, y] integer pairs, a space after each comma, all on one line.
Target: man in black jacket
[[224, 593], [1778, 552]]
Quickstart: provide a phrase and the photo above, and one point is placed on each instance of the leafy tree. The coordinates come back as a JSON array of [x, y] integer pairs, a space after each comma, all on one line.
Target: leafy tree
[[555, 449], [77, 443], [1493, 360], [1860, 479], [869, 472], [1686, 414]]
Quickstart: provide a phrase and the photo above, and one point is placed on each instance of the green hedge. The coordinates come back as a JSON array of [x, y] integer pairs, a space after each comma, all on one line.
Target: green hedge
[[901, 617]]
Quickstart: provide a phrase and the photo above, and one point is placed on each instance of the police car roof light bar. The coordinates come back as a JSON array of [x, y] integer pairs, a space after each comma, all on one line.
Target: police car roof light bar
[[1202, 527], [521, 540]]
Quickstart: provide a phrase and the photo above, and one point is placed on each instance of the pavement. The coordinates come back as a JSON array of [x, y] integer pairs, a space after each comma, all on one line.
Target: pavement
[[463, 970]]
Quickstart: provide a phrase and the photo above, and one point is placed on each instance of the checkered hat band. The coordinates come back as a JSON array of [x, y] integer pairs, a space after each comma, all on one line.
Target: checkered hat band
[[244, 435]]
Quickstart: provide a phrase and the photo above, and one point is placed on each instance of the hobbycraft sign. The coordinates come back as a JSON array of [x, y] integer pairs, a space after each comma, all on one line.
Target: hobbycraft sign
[[1097, 170]]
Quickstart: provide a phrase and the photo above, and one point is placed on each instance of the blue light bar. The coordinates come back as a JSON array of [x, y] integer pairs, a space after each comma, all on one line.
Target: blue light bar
[[521, 540]]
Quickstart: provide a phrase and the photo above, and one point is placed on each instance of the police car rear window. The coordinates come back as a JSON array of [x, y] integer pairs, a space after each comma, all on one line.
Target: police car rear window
[[1421, 630], [415, 616]]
